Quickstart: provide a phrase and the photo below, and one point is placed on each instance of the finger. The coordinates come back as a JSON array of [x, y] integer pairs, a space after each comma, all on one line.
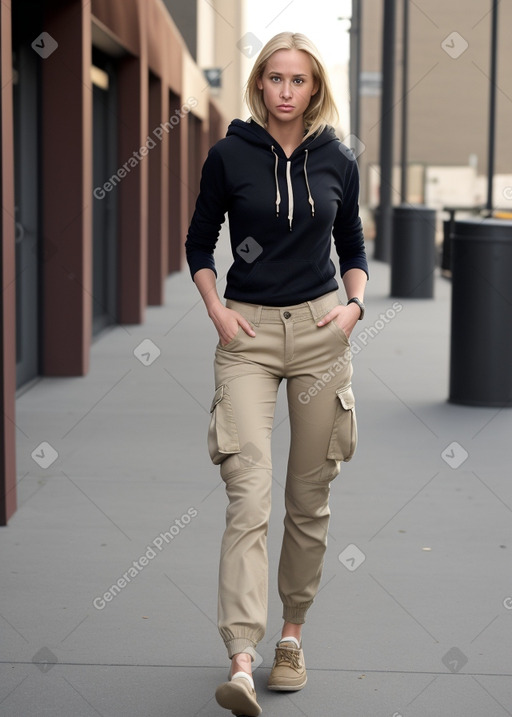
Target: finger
[[246, 326], [328, 317], [226, 336]]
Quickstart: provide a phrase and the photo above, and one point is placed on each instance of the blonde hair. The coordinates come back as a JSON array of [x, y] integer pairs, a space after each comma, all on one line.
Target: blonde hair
[[321, 110]]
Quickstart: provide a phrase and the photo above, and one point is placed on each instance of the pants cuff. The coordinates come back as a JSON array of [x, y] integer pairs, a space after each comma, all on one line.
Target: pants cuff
[[296, 613], [241, 644]]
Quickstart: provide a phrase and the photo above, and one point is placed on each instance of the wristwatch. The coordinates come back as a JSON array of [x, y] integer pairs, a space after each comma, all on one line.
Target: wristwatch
[[355, 300]]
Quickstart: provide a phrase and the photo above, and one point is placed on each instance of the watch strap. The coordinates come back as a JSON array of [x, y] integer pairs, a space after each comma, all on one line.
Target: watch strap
[[355, 300]]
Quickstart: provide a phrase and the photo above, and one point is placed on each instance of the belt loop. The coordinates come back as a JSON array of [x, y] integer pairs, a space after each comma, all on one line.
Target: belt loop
[[257, 315], [321, 306], [312, 308]]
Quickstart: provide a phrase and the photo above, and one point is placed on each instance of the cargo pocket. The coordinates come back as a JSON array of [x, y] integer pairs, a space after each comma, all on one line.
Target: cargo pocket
[[344, 433], [222, 431]]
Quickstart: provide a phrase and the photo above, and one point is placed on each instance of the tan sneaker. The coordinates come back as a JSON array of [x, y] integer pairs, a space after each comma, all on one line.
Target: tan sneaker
[[289, 670], [239, 695]]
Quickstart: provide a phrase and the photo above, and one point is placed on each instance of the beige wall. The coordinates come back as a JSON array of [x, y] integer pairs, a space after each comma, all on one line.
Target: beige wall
[[220, 25], [448, 97]]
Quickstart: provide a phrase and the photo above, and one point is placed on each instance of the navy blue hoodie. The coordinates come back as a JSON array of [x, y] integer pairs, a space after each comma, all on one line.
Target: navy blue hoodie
[[283, 213]]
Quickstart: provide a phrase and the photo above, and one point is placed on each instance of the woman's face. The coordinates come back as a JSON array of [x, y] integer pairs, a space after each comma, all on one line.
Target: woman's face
[[288, 84]]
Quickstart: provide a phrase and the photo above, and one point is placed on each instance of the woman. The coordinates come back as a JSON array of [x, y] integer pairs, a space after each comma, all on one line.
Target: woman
[[288, 186]]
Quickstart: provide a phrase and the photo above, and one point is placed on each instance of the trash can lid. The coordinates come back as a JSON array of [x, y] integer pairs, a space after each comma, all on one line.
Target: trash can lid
[[475, 228], [413, 208]]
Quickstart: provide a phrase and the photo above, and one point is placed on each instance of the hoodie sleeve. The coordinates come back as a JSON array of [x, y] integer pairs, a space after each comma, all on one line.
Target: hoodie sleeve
[[347, 230], [209, 214]]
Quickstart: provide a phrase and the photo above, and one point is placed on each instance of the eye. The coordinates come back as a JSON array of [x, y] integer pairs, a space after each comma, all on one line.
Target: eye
[[275, 79], [299, 81]]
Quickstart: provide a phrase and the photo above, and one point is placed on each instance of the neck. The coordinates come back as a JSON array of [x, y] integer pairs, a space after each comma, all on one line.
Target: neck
[[288, 134]]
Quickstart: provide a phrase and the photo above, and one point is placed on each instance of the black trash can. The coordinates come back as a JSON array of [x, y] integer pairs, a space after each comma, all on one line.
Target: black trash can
[[446, 254], [413, 257], [481, 321], [382, 241]]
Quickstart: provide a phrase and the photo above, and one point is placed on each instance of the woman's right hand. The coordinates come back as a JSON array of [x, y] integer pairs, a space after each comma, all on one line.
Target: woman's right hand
[[227, 321]]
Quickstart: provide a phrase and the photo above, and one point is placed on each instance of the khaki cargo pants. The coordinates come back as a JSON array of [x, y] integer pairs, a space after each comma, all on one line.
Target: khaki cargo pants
[[316, 362]]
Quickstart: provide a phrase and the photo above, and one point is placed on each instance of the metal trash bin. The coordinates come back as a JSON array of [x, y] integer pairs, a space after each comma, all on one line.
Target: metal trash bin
[[413, 256], [481, 317]]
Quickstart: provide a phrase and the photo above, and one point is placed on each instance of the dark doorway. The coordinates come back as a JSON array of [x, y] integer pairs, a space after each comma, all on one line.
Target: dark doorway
[[26, 84], [105, 205]]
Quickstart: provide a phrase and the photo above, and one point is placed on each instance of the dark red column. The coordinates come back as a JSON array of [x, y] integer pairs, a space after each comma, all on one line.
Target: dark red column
[[178, 179], [158, 190], [67, 190], [133, 190]]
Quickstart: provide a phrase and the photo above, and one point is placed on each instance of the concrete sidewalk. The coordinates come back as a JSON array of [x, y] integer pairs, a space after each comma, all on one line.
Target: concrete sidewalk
[[414, 616]]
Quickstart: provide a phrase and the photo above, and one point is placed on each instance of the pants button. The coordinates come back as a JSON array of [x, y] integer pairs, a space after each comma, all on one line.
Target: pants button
[[286, 314]]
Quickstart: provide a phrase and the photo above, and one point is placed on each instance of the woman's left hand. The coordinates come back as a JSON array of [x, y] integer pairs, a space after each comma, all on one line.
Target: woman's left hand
[[345, 317]]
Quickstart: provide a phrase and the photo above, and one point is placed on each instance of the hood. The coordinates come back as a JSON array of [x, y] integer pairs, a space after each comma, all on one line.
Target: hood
[[257, 135]]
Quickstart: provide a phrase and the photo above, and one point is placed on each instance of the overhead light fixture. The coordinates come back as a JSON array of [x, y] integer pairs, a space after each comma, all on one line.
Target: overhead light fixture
[[99, 77]]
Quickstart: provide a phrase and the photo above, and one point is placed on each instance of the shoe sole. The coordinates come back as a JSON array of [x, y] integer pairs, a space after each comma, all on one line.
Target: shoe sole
[[287, 688], [235, 697]]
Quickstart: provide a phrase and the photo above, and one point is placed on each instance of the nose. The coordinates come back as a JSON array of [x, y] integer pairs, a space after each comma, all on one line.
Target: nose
[[286, 90]]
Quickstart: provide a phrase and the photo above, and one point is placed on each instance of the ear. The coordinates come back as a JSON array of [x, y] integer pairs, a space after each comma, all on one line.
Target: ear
[[316, 87], [259, 83]]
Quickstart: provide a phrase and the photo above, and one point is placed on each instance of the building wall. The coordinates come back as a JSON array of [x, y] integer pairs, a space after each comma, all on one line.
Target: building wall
[[184, 14], [220, 25], [448, 91], [161, 132]]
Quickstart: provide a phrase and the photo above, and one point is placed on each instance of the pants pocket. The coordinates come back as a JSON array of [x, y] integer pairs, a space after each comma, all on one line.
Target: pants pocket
[[343, 441], [339, 331], [222, 432], [231, 341]]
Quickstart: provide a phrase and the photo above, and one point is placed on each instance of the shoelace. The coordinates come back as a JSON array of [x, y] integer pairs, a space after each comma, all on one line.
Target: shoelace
[[285, 655]]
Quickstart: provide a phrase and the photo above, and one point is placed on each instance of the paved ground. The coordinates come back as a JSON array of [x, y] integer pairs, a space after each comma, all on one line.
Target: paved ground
[[414, 616]]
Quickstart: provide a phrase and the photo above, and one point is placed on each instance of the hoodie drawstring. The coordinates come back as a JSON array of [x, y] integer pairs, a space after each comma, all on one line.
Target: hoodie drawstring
[[310, 198], [290, 192], [278, 194], [290, 186]]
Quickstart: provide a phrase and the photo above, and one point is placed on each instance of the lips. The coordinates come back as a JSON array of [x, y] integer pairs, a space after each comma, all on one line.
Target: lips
[[285, 107]]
